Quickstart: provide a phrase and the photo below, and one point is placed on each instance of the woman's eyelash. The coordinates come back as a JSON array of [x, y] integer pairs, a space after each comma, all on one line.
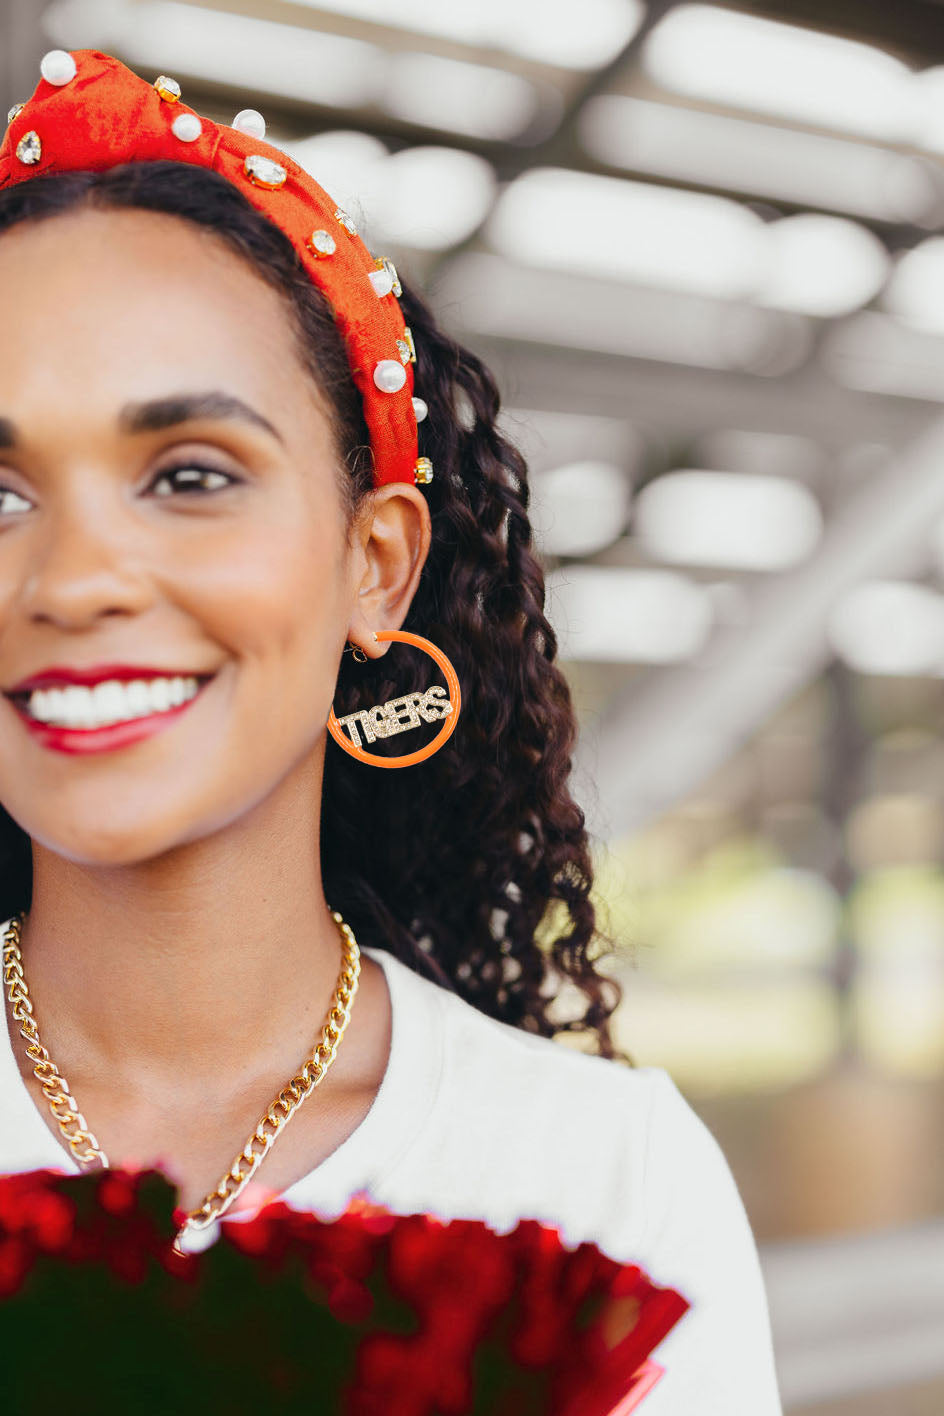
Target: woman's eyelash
[[171, 472]]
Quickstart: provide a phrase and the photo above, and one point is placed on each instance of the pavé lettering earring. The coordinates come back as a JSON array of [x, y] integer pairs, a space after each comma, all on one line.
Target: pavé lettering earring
[[386, 719]]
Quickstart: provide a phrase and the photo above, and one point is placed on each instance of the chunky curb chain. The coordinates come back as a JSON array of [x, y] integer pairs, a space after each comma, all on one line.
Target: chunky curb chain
[[281, 1109]]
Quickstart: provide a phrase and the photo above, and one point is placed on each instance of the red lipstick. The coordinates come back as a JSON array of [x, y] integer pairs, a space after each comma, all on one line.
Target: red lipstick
[[96, 673], [77, 741]]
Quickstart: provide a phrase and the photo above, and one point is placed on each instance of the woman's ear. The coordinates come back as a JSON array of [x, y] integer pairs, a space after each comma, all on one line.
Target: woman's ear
[[391, 545]]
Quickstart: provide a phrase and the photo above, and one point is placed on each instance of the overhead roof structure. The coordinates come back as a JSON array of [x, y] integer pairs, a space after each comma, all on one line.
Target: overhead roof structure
[[691, 238]]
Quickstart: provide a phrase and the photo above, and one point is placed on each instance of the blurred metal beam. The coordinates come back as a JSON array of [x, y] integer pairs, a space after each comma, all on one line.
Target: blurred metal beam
[[22, 45], [656, 743], [560, 148], [909, 26], [678, 402]]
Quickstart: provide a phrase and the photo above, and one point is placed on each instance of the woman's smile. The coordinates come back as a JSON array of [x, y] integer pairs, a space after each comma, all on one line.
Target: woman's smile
[[77, 719]]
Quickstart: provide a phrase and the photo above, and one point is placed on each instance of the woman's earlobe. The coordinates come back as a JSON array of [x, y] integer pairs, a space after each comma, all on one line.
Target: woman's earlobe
[[357, 651]]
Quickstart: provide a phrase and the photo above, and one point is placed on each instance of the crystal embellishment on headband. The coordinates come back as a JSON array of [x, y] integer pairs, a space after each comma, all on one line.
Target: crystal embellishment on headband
[[169, 89], [406, 348], [29, 149], [321, 244], [12, 112], [263, 172], [346, 221]]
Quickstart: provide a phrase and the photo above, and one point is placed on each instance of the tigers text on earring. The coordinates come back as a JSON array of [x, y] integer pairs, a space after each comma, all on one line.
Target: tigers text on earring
[[388, 719]]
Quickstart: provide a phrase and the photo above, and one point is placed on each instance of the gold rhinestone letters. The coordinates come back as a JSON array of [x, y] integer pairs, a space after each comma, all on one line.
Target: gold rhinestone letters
[[386, 720]]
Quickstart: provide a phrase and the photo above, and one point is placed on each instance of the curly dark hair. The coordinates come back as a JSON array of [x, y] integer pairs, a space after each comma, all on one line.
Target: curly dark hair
[[468, 865]]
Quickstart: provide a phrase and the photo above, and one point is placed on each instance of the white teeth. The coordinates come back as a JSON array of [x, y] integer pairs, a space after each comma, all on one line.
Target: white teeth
[[110, 702]]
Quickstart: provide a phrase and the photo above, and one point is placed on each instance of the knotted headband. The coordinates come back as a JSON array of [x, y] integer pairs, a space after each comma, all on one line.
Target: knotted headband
[[90, 112]]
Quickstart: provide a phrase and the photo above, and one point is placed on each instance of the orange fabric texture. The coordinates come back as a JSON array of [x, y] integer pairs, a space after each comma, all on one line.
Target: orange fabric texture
[[107, 115]]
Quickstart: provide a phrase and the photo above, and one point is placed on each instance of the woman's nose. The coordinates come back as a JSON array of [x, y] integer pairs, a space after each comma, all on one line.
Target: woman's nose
[[76, 571]]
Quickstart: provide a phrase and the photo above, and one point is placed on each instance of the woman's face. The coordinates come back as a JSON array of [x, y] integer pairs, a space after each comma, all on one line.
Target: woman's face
[[108, 557]]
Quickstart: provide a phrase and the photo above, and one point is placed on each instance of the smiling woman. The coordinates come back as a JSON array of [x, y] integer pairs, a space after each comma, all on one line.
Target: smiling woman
[[203, 498]]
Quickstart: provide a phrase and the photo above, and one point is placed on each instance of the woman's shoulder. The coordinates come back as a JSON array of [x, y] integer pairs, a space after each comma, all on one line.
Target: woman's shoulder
[[486, 1048], [554, 1121], [560, 1118]]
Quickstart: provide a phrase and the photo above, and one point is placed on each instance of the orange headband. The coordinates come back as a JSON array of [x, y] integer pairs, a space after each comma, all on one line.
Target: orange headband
[[90, 112]]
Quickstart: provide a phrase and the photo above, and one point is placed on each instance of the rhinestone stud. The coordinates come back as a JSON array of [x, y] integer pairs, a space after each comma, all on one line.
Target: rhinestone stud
[[57, 67], [29, 149], [263, 172], [251, 121], [187, 127], [406, 348], [322, 243], [381, 280], [391, 270], [423, 470], [169, 89], [420, 408], [389, 375], [14, 111], [346, 221]]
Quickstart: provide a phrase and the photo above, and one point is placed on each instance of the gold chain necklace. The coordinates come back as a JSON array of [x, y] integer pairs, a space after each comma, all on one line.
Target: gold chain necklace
[[82, 1142]]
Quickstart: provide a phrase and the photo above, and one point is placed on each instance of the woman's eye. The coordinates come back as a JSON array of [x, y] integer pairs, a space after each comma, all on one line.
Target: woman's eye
[[186, 477], [192, 478], [8, 492]]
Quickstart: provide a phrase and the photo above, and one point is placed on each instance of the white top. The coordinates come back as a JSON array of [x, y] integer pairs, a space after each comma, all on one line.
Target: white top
[[476, 1119]]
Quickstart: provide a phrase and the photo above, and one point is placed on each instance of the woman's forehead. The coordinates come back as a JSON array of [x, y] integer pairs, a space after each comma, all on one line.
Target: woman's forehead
[[116, 299]]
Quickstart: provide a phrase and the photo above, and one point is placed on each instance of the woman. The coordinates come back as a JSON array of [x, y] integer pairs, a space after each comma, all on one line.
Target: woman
[[197, 486]]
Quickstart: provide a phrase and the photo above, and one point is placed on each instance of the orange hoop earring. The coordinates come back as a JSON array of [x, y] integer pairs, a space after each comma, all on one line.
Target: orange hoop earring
[[402, 713]]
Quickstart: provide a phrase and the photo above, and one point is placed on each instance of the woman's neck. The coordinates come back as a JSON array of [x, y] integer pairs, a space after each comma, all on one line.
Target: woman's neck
[[188, 975]]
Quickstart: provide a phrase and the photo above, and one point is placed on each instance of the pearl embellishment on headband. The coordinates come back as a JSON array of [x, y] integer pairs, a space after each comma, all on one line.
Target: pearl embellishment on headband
[[187, 127], [29, 149], [381, 280], [263, 172], [420, 409], [251, 121], [321, 244], [391, 270], [57, 67], [389, 375]]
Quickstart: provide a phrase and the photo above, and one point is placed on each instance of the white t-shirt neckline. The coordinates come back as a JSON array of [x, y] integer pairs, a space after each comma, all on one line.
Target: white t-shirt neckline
[[401, 1106]]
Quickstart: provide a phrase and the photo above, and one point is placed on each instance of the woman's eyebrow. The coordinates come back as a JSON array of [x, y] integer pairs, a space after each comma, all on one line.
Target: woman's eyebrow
[[163, 413], [159, 413]]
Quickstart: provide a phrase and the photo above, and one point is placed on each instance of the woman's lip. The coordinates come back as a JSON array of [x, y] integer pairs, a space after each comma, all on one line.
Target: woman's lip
[[64, 677], [82, 740]]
